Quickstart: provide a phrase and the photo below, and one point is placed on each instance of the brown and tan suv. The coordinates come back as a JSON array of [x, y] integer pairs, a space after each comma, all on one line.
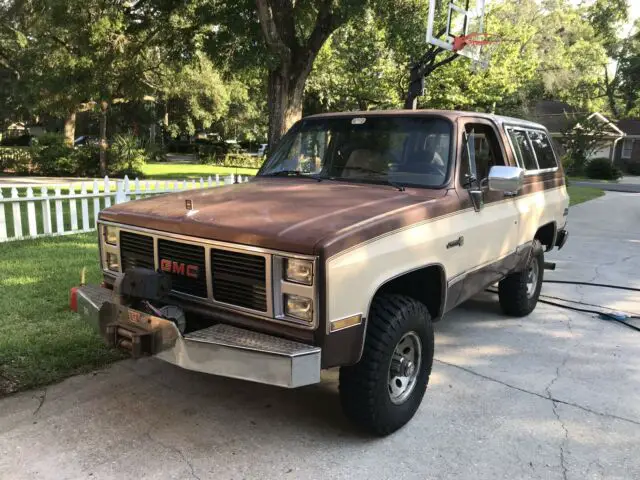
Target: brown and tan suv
[[359, 231]]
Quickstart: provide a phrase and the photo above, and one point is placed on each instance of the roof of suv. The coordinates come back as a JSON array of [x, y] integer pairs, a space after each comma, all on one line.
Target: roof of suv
[[451, 114]]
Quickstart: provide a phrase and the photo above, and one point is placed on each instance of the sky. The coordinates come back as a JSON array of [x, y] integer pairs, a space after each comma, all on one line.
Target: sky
[[634, 10]]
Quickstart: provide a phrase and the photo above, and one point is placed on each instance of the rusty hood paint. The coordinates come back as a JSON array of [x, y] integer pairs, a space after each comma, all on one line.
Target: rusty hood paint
[[289, 214]]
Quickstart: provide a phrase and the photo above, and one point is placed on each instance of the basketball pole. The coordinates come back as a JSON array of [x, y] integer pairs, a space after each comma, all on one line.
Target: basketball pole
[[419, 70], [416, 87]]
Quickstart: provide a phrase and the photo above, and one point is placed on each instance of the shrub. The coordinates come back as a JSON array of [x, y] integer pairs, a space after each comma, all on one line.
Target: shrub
[[602, 169], [88, 160], [155, 153], [234, 160], [15, 159], [19, 141], [126, 156], [51, 156]]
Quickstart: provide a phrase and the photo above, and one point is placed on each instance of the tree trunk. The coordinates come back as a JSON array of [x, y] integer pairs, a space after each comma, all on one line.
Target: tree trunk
[[70, 128], [286, 89], [165, 118], [104, 107]]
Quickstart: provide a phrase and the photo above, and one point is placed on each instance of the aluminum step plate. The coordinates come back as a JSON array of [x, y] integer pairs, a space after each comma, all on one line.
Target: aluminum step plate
[[96, 294], [230, 336]]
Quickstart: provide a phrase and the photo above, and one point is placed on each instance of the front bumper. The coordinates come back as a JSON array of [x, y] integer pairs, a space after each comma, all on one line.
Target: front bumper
[[219, 350]]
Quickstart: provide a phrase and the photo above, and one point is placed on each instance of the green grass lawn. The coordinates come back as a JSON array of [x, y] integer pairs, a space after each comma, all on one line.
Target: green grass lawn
[[582, 194], [579, 178], [190, 170], [41, 340]]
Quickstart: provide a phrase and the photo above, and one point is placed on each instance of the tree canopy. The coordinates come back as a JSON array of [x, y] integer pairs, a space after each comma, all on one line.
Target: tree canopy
[[250, 68]]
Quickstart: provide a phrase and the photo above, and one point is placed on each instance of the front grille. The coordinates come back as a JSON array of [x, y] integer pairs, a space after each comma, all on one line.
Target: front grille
[[136, 251], [239, 279], [186, 265]]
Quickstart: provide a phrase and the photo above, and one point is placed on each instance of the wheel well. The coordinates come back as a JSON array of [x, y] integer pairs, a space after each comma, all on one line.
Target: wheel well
[[547, 235], [426, 285]]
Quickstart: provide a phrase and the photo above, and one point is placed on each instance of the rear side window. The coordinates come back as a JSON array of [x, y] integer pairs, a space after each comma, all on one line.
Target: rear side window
[[542, 147], [523, 149]]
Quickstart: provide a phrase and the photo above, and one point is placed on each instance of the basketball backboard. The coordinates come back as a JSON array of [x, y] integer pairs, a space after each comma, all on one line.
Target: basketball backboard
[[451, 19]]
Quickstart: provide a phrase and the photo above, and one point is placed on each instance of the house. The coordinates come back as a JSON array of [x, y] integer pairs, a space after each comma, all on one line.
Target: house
[[559, 117], [628, 150]]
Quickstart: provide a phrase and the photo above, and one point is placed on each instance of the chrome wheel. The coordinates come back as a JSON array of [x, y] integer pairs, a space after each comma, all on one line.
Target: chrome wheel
[[404, 367], [532, 277]]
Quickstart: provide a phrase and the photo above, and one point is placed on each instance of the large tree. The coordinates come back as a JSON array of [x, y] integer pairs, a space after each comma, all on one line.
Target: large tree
[[356, 69], [294, 33], [281, 37], [91, 53]]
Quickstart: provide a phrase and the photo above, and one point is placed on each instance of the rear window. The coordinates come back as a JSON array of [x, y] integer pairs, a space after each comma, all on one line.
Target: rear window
[[542, 147]]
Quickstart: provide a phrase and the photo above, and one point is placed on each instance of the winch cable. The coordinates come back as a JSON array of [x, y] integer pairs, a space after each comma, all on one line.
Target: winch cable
[[628, 313], [613, 316], [591, 284]]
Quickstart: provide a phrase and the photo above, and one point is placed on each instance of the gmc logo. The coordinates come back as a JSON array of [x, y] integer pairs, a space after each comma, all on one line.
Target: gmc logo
[[178, 268]]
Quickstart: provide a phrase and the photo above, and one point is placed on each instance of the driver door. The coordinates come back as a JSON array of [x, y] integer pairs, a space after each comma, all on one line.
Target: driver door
[[490, 227]]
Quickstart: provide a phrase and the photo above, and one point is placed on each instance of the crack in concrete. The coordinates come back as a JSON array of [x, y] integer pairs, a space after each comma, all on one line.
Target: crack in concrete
[[539, 395], [565, 440], [176, 450], [554, 403], [43, 397], [563, 462], [600, 265]]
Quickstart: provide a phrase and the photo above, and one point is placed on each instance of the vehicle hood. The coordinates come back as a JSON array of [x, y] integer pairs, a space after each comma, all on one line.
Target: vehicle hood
[[289, 214]]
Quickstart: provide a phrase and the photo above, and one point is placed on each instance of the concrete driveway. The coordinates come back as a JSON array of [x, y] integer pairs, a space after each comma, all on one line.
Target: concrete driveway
[[554, 395]]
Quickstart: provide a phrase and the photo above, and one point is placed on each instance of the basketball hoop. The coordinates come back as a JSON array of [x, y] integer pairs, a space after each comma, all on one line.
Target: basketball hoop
[[479, 47], [474, 39]]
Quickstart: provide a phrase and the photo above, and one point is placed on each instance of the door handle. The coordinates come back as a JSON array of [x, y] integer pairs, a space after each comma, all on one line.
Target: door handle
[[458, 242]]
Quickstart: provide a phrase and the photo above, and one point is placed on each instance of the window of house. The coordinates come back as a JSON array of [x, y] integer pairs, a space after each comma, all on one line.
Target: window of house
[[523, 149], [627, 148], [486, 149], [542, 148]]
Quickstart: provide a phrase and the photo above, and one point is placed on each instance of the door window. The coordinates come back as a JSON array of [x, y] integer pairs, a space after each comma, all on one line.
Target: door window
[[484, 148]]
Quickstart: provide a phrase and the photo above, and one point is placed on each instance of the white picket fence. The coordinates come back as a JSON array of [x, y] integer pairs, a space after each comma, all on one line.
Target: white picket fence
[[63, 213]]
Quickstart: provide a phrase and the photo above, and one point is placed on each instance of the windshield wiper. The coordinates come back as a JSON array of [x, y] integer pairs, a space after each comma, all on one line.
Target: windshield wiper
[[400, 188], [379, 176], [297, 173], [283, 173]]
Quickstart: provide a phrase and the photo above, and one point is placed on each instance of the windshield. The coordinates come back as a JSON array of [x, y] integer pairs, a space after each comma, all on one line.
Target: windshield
[[412, 151]]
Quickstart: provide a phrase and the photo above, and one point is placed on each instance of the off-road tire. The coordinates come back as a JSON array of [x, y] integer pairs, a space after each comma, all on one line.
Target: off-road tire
[[512, 290], [364, 387]]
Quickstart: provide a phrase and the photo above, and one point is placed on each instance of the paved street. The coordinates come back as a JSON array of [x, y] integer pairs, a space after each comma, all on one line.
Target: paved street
[[551, 396], [627, 184]]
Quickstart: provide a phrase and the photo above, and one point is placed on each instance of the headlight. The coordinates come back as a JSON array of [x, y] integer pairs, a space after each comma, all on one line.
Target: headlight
[[298, 307], [113, 262], [299, 271], [110, 235]]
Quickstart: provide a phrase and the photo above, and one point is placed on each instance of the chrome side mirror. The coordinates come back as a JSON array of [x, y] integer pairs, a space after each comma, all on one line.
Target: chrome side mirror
[[508, 180]]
